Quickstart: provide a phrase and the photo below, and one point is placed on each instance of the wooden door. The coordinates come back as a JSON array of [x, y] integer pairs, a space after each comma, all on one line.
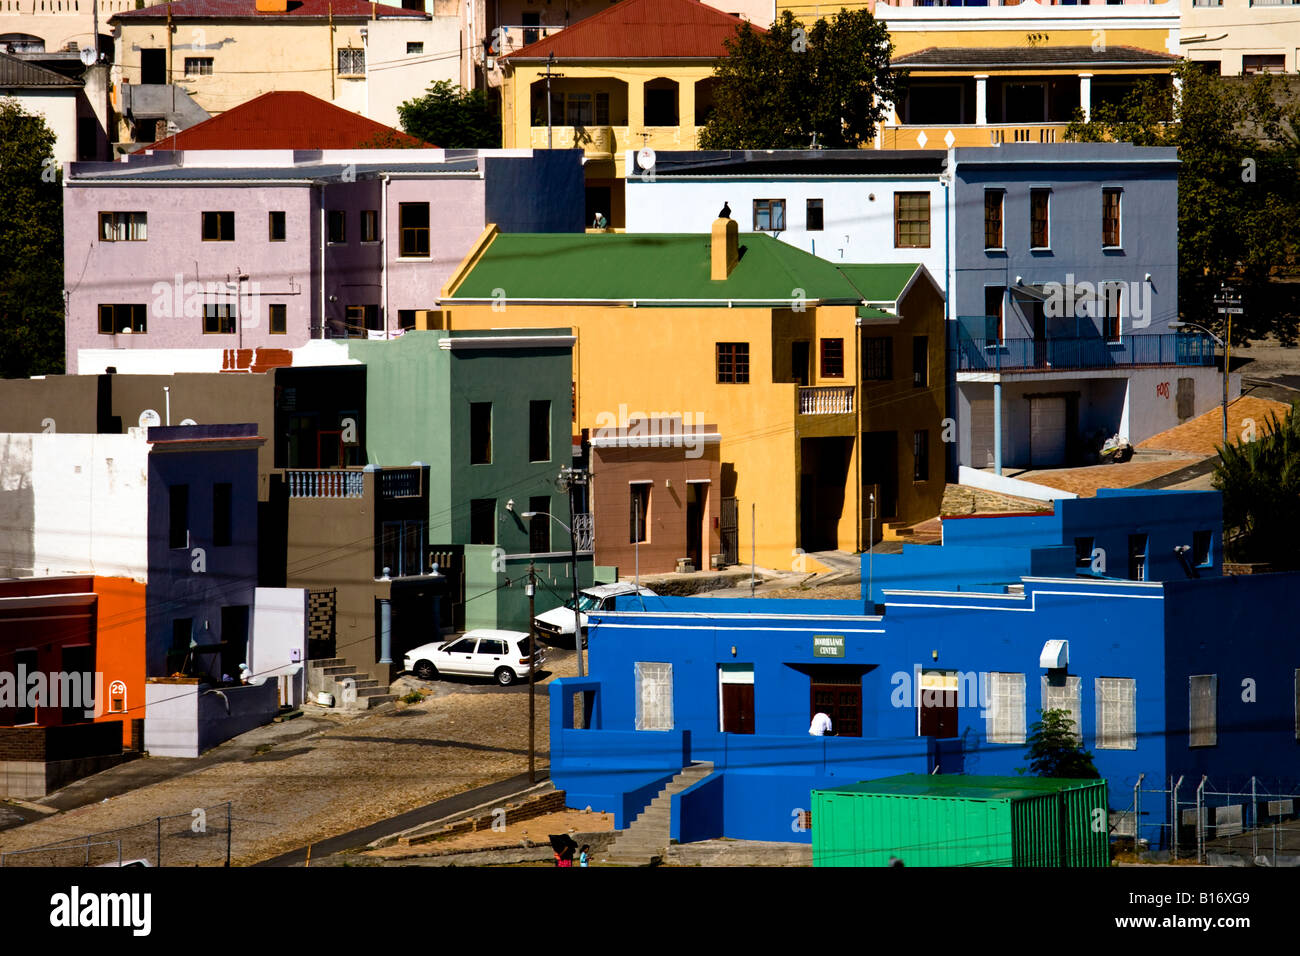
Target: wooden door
[[842, 703], [737, 708]]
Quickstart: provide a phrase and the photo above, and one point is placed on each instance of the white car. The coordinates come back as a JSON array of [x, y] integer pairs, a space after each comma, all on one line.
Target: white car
[[502, 655], [558, 622]]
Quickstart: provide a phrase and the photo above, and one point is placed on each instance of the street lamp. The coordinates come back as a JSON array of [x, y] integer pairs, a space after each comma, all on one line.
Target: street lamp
[[1219, 342], [573, 550]]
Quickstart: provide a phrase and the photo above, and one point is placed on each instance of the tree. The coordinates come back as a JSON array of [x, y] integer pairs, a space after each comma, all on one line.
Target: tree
[[31, 247], [1055, 751], [1238, 197], [791, 88], [1260, 481], [451, 117]]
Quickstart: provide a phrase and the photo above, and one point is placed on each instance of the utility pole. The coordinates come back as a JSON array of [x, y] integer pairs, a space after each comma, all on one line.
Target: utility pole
[[1228, 303], [753, 546], [569, 479], [531, 589], [550, 61]]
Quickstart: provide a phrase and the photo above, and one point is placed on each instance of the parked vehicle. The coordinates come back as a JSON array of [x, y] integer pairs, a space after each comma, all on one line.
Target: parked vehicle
[[557, 623], [502, 655]]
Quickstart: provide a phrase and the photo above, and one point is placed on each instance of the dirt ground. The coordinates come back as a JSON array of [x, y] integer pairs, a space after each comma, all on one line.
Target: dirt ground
[[536, 830], [355, 771]]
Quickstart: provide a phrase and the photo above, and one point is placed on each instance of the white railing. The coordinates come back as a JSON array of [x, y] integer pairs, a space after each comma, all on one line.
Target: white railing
[[327, 483], [826, 400]]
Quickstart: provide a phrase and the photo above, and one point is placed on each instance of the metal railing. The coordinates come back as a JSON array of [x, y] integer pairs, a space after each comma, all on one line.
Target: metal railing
[[826, 400], [399, 483], [515, 37], [1052, 354], [584, 530], [325, 483]]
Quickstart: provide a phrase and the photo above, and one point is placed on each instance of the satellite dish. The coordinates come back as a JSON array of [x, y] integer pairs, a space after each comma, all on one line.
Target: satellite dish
[[149, 418], [189, 421], [645, 158], [88, 56]]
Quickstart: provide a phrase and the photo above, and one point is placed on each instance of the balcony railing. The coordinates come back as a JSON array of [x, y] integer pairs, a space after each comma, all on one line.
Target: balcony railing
[[826, 400], [1052, 354], [514, 37], [325, 483], [399, 483]]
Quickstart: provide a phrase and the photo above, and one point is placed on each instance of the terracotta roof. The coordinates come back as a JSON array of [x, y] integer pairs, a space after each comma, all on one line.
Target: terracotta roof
[[641, 29], [247, 9], [1202, 435], [286, 119], [941, 57], [19, 74]]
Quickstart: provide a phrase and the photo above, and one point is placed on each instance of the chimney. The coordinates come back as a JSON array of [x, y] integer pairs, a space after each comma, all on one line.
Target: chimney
[[726, 236], [272, 6]]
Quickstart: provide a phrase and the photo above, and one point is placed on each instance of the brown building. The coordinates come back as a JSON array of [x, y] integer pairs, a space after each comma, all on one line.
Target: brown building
[[656, 492]]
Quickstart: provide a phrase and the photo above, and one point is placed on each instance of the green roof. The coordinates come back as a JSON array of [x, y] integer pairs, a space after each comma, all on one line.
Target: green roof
[[880, 283], [669, 267], [966, 786]]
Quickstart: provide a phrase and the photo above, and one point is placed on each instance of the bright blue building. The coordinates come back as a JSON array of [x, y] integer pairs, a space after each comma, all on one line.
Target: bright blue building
[[949, 677]]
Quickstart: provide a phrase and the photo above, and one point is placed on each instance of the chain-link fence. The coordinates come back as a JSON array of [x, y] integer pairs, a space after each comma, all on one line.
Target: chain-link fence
[[202, 837]]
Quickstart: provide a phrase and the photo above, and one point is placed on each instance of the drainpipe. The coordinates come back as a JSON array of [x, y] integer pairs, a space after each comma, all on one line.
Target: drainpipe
[[321, 195], [1137, 817], [383, 249], [167, 398]]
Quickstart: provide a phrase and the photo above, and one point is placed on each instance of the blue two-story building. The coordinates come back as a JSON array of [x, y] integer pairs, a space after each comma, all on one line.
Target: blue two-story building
[[947, 677]]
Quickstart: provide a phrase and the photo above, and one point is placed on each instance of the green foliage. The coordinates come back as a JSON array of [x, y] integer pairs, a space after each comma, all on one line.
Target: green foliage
[[1238, 189], [1055, 751], [31, 247], [451, 117], [1260, 481], [783, 88]]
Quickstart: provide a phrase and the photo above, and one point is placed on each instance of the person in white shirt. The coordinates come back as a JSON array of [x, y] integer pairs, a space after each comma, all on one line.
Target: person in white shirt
[[821, 725]]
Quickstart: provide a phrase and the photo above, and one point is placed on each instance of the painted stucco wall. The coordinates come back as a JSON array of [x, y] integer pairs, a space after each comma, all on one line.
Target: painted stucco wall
[[187, 719], [279, 630], [120, 648], [59, 109], [394, 76], [1239, 28]]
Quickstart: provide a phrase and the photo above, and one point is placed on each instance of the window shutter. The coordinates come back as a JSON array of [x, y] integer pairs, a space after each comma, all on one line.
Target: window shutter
[[1203, 696]]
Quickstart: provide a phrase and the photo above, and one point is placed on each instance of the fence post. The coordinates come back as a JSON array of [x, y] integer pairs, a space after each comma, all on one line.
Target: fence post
[[1137, 818], [157, 856], [1254, 820], [1173, 819], [227, 833], [1200, 821]]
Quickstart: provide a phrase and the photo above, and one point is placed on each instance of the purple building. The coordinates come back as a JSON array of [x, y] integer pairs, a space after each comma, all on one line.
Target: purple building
[[218, 250]]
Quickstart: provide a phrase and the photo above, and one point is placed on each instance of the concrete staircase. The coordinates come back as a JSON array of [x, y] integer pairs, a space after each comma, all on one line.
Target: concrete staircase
[[648, 836], [327, 675]]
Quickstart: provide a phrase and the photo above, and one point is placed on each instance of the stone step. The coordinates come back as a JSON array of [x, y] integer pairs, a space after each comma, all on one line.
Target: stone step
[[374, 691], [326, 662], [375, 701], [340, 670]]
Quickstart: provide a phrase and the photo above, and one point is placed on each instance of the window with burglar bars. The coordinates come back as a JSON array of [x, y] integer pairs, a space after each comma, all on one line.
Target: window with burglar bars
[[1006, 708], [878, 358], [912, 220], [733, 363], [1064, 693], [993, 218], [1110, 231], [352, 61], [1203, 705], [654, 696], [1116, 713]]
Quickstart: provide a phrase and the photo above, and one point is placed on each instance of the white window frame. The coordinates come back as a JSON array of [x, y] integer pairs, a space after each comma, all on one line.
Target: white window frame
[[1120, 693], [1210, 732], [1070, 698], [1005, 720], [198, 66], [654, 686], [353, 56]]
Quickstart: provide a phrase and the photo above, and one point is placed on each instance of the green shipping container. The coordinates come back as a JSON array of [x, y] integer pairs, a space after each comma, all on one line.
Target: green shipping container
[[959, 820]]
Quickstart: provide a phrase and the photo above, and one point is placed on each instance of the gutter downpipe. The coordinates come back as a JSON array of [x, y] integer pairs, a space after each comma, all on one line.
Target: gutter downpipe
[[321, 240], [1137, 816], [383, 251]]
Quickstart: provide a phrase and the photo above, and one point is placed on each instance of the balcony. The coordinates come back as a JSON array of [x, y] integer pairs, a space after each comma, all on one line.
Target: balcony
[[605, 142], [907, 136], [1054, 354], [325, 483], [826, 400], [515, 37]]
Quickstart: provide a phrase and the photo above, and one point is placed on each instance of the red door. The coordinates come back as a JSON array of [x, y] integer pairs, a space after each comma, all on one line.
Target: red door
[[737, 708]]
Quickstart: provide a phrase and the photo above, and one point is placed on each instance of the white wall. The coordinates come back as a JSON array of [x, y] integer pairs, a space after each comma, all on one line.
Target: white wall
[[59, 107], [184, 720], [280, 629], [148, 361], [1150, 408], [88, 498], [393, 76], [857, 228]]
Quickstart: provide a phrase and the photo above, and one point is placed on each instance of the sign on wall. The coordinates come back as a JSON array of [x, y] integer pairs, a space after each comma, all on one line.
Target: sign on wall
[[828, 645]]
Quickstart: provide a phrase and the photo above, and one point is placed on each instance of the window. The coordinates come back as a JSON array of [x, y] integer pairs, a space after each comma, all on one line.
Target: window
[[496, 648], [277, 318], [483, 521], [539, 431], [275, 226], [938, 717], [920, 456], [813, 217], [413, 219], [733, 363], [352, 61], [640, 507], [480, 433], [993, 200], [539, 525], [1064, 692], [402, 548], [660, 103], [1116, 713], [370, 225], [1111, 303], [832, 358], [360, 319], [836, 691], [178, 524], [769, 215], [221, 514], [920, 361], [182, 634], [1110, 232], [1263, 63], [413, 47], [654, 696], [123, 226], [122, 318], [198, 66], [218, 227], [1083, 554], [338, 226], [405, 319], [1201, 542], [219, 318], [1006, 708], [1203, 700], [1039, 210], [1137, 557], [911, 220], [994, 295], [878, 358]]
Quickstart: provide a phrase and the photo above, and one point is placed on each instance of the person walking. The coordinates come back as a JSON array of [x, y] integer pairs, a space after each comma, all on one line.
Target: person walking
[[582, 855]]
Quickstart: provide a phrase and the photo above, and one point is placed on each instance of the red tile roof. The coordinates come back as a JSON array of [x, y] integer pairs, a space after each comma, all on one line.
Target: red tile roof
[[650, 29], [287, 119], [237, 9]]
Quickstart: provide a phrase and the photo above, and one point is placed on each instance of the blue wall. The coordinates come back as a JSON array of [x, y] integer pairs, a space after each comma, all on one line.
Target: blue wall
[[544, 192]]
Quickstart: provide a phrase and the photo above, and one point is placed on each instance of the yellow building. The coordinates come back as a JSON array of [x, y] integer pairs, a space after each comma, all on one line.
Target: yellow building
[[1013, 72], [826, 382], [640, 73]]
